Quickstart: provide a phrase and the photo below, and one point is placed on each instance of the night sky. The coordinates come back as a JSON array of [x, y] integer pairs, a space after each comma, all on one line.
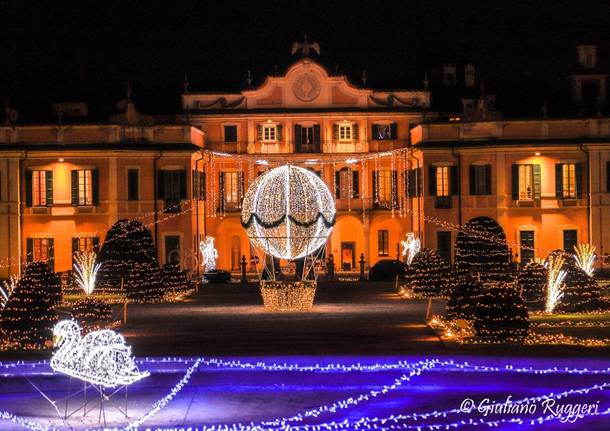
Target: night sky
[[86, 51]]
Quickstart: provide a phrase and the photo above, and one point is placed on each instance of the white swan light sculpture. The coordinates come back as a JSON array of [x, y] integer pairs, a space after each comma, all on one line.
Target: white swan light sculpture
[[100, 357]]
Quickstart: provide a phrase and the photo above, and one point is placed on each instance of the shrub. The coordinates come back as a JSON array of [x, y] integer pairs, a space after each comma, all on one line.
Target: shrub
[[429, 274], [501, 314]]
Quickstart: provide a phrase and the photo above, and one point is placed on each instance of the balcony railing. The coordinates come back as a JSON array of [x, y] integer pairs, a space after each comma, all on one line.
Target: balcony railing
[[332, 146]]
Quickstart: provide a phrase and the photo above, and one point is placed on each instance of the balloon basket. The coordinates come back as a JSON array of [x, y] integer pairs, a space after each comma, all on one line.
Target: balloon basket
[[288, 295]]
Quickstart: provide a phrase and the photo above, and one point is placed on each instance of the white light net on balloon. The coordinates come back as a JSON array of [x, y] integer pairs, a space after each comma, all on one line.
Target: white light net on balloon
[[288, 212]]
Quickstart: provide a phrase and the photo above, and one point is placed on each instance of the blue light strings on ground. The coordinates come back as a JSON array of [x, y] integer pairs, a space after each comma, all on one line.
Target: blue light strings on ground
[[411, 369]]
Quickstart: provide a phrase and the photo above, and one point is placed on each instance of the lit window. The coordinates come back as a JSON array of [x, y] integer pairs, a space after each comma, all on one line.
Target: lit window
[[383, 132], [39, 192], [442, 181], [384, 184], [231, 188], [269, 133], [85, 187], [346, 184], [383, 242], [85, 244], [526, 182], [569, 180], [345, 132], [40, 251]]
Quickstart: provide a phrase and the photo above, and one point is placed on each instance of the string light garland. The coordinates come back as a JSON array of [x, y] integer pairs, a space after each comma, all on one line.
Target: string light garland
[[100, 358], [288, 212]]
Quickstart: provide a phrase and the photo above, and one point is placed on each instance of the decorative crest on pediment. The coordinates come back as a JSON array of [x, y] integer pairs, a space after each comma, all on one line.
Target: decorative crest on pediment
[[305, 47]]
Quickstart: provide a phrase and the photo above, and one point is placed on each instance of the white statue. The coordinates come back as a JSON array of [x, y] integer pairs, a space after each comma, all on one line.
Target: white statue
[[410, 247], [209, 253]]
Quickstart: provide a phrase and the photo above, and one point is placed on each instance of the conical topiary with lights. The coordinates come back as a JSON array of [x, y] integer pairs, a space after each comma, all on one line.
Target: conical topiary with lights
[[501, 314], [28, 318], [463, 296], [145, 283], [429, 275], [531, 280], [174, 280], [481, 249], [127, 242]]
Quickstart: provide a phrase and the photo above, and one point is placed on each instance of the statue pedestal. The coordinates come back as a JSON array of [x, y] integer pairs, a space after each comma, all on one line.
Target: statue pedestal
[[288, 295]]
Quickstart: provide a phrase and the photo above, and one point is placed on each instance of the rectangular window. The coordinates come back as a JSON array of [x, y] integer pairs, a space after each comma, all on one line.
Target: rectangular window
[[230, 133], [480, 179], [384, 184], [39, 188], [86, 244], [443, 244], [269, 133], [526, 182], [384, 132], [568, 175], [383, 242], [231, 188], [199, 185], [133, 184], [85, 187], [41, 249], [442, 181], [570, 240], [347, 183], [526, 243], [172, 188], [172, 249], [345, 132]]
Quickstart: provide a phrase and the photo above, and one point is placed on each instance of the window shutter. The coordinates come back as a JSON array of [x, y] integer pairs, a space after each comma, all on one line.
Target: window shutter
[[355, 132], [375, 189], [335, 131], [375, 131], [432, 181], [182, 179], [161, 184], [410, 183], [579, 184], [337, 184], [297, 136], [487, 179], [515, 182], [259, 132], [454, 186], [278, 130], [95, 186], [49, 187], [96, 244], [473, 187], [394, 188], [537, 182], [316, 134], [394, 130], [419, 174], [28, 188], [74, 187], [195, 184], [51, 254], [29, 254], [356, 184], [221, 190], [558, 181]]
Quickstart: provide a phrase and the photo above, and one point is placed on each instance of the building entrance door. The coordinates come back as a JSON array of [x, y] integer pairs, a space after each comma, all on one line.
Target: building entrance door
[[348, 256]]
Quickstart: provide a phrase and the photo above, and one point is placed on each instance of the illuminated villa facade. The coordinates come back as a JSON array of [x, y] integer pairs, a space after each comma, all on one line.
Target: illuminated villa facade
[[393, 165]]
